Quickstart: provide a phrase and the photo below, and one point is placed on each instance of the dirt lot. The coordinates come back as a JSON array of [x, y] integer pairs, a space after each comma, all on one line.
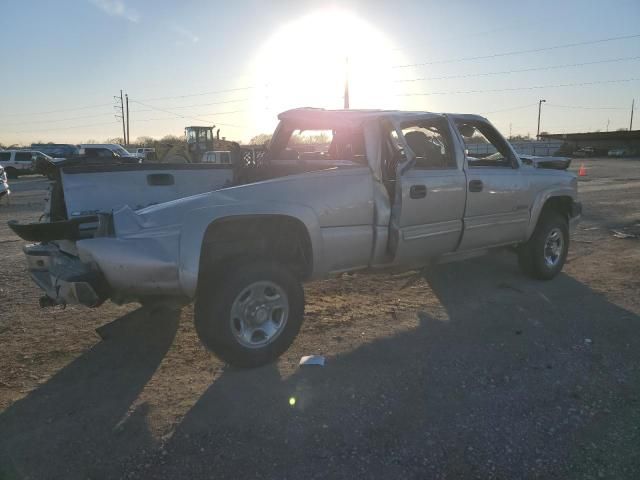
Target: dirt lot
[[473, 371]]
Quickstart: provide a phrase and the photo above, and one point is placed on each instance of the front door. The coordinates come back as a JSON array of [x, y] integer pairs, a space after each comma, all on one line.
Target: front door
[[497, 206], [430, 193]]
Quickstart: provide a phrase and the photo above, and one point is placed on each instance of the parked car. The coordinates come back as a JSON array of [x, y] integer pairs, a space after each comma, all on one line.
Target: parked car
[[57, 150], [4, 184], [617, 152], [146, 154], [585, 152], [17, 162], [108, 151], [391, 190]]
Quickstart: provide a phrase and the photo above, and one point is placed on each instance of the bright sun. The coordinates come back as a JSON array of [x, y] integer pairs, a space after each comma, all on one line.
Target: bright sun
[[304, 64]]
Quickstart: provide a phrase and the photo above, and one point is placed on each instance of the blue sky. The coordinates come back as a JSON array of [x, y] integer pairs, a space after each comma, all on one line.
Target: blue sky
[[237, 64]]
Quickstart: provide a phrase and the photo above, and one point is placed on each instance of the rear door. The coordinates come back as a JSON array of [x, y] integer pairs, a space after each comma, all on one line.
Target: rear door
[[430, 196], [497, 205], [22, 161]]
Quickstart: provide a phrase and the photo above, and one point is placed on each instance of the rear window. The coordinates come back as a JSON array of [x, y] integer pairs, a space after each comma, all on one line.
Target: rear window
[[5, 156]]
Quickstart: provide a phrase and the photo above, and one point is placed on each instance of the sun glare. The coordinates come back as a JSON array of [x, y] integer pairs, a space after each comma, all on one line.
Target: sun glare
[[305, 62]]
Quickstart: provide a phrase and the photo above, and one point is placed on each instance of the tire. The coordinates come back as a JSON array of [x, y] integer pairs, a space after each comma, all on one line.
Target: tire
[[11, 172], [542, 257], [240, 329]]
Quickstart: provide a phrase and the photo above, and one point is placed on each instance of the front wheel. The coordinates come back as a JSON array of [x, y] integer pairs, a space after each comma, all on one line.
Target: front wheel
[[544, 255], [250, 314]]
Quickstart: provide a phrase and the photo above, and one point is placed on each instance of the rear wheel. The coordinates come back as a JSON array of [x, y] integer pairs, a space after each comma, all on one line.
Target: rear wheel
[[250, 314], [11, 172], [544, 255]]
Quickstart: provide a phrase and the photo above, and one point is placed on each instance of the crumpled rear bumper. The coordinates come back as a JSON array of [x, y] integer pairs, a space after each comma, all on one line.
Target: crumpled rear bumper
[[64, 278]]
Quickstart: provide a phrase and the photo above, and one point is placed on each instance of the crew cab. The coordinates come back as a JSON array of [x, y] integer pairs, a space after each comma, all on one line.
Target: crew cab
[[384, 189]]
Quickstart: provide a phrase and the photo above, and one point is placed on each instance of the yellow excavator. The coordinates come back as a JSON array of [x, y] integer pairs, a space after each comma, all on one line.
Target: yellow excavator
[[199, 146]]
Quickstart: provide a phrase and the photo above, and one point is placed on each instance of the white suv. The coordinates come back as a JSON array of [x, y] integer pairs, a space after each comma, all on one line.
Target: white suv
[[146, 153], [17, 162]]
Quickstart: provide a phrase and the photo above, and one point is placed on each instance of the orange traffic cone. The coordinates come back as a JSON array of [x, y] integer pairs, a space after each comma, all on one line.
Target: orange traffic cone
[[583, 171]]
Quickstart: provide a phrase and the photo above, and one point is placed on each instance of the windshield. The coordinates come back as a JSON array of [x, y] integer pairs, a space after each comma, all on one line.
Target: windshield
[[121, 151]]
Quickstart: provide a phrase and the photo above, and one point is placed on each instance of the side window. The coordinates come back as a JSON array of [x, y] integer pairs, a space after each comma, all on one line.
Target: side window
[[105, 153], [430, 142], [23, 156], [224, 158], [5, 156], [484, 147]]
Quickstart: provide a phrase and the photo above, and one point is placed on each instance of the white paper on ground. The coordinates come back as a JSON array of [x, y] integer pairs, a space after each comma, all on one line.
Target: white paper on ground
[[312, 360]]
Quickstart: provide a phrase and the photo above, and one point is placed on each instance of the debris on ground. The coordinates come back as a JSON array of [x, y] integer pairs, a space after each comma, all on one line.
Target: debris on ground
[[312, 360], [630, 231]]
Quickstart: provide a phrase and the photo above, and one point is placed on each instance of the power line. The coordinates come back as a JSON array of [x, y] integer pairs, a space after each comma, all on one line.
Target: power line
[[520, 52], [186, 117], [58, 111], [533, 87], [62, 119], [67, 128], [200, 114], [213, 92], [533, 69], [202, 104], [510, 109], [579, 107]]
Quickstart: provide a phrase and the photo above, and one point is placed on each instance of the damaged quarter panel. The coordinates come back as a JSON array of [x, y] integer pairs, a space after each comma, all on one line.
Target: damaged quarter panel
[[159, 247]]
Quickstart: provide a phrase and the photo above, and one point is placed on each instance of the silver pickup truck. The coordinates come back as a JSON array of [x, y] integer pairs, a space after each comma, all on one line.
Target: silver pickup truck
[[383, 189]]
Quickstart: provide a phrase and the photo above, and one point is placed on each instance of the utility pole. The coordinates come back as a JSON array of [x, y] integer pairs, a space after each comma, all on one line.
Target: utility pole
[[633, 104], [510, 136], [120, 108], [608, 120], [346, 85], [539, 112], [124, 131], [128, 141]]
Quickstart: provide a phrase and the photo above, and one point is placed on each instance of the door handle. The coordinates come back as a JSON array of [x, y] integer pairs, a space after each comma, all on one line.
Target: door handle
[[475, 186], [418, 191]]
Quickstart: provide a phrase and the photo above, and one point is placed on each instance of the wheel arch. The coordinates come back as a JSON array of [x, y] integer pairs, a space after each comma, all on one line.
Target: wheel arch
[[276, 236], [209, 237], [557, 200]]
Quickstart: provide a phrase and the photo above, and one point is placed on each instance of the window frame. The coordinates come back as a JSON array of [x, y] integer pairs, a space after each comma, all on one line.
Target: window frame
[[494, 138], [445, 132]]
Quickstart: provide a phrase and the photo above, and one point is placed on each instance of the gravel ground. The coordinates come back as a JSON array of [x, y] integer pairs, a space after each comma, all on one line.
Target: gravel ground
[[470, 371]]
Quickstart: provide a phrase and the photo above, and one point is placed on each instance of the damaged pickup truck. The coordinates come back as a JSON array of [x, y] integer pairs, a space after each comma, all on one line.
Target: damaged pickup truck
[[384, 189]]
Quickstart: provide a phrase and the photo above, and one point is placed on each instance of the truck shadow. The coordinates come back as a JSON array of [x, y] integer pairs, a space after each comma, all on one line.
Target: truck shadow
[[522, 379], [517, 379], [70, 427]]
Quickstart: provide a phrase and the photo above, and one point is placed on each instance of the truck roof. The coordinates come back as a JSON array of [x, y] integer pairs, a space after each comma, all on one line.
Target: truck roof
[[317, 117]]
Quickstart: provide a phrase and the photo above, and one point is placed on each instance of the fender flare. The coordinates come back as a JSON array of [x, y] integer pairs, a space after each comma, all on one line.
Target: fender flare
[[541, 200], [197, 222]]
